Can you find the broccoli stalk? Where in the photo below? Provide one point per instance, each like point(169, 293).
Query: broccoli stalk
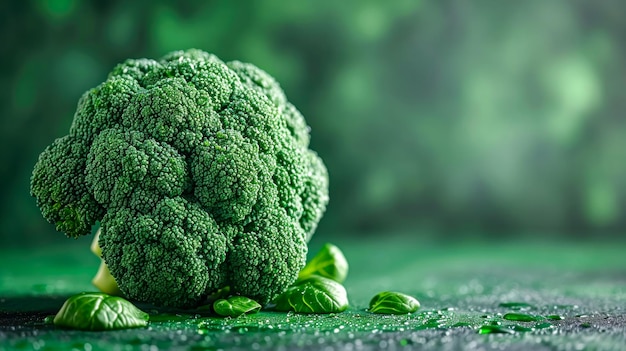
point(103, 280)
point(199, 173)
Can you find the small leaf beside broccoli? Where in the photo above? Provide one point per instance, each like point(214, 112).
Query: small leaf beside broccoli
point(388, 302)
point(329, 262)
point(235, 306)
point(313, 295)
point(98, 311)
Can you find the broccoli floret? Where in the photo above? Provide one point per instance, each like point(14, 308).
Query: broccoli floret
point(227, 161)
point(128, 169)
point(102, 107)
point(171, 256)
point(199, 173)
point(58, 183)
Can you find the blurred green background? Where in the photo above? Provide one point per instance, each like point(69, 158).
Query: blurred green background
point(441, 119)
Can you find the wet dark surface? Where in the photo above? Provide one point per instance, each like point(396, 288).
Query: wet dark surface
point(543, 296)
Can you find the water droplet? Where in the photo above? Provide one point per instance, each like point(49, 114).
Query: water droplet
point(521, 317)
point(494, 329)
point(405, 342)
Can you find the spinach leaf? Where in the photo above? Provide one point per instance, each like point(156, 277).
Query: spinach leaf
point(388, 302)
point(313, 295)
point(235, 306)
point(329, 262)
point(98, 311)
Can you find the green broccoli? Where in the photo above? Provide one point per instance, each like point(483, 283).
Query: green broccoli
point(199, 173)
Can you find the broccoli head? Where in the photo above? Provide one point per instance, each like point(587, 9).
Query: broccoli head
point(199, 173)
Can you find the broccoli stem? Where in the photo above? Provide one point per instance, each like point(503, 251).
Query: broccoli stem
point(103, 280)
point(95, 246)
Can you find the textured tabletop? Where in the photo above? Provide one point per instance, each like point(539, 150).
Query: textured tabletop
point(475, 296)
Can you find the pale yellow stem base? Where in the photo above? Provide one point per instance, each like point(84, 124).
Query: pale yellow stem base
point(105, 282)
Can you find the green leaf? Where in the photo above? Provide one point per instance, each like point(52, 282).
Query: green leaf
point(313, 295)
point(235, 306)
point(98, 311)
point(329, 262)
point(389, 302)
point(219, 294)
